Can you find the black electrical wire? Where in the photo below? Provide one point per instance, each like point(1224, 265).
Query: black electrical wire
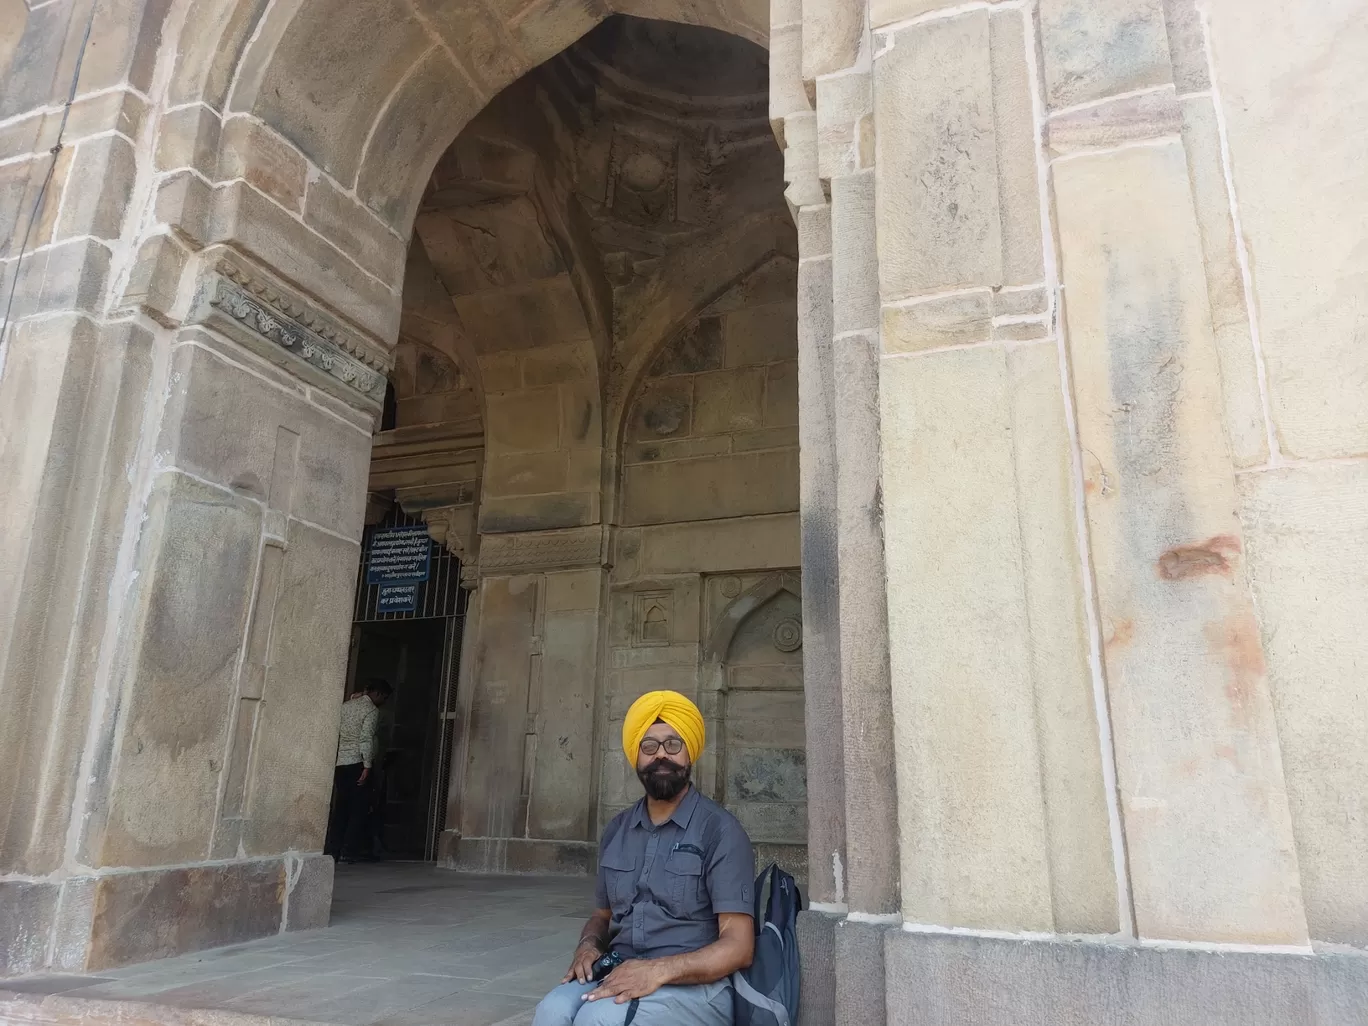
point(52, 168)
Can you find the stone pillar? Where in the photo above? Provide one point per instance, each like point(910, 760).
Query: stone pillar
point(205, 728)
point(796, 126)
point(846, 165)
point(529, 682)
point(185, 441)
point(1204, 805)
point(998, 746)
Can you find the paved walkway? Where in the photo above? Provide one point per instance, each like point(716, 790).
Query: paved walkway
point(409, 945)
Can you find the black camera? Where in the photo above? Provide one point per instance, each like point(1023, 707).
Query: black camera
point(606, 963)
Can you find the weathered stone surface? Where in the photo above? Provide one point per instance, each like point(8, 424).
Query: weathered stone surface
point(728, 401)
point(762, 334)
point(20, 210)
point(296, 727)
point(546, 27)
point(1098, 48)
point(977, 661)
point(67, 276)
point(716, 546)
point(244, 218)
point(781, 399)
point(308, 89)
point(861, 995)
point(587, 217)
point(1299, 219)
point(960, 319)
point(36, 56)
point(936, 161)
point(142, 916)
point(522, 316)
point(1187, 45)
point(189, 138)
point(943, 979)
point(855, 267)
point(416, 125)
point(251, 151)
point(1306, 530)
point(501, 674)
point(817, 962)
point(480, 40)
point(703, 489)
point(185, 200)
point(786, 94)
point(1115, 122)
point(308, 904)
point(197, 560)
point(1230, 320)
point(1013, 117)
point(821, 618)
point(27, 911)
point(1208, 830)
point(354, 230)
point(77, 392)
point(225, 426)
point(561, 786)
point(865, 699)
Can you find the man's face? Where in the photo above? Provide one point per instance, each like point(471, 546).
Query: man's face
point(663, 775)
point(378, 697)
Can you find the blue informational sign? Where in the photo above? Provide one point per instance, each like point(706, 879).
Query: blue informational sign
point(397, 598)
point(399, 555)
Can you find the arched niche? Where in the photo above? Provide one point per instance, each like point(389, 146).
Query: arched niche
point(753, 666)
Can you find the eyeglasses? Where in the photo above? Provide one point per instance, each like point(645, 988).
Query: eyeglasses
point(672, 746)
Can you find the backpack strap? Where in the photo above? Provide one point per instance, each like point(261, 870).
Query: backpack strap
point(766, 875)
point(752, 996)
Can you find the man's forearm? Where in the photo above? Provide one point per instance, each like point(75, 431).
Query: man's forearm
point(708, 964)
point(595, 931)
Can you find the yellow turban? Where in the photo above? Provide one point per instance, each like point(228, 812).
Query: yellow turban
point(670, 707)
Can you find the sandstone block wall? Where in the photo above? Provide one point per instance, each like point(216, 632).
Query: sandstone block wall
point(1080, 424)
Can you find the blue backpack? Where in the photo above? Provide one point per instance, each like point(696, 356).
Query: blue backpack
point(766, 994)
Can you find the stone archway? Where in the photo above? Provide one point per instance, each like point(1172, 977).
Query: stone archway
point(1033, 534)
point(251, 251)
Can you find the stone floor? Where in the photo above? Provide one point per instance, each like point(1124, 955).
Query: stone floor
point(409, 945)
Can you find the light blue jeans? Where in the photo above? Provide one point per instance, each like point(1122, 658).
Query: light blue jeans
point(705, 1004)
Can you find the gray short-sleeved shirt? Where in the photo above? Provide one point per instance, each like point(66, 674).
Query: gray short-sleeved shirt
point(667, 884)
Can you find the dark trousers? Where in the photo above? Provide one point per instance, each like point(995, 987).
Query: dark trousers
point(347, 824)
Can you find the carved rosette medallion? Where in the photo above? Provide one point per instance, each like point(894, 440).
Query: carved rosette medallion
point(788, 635)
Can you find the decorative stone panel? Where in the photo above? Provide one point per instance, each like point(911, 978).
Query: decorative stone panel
point(250, 305)
point(533, 551)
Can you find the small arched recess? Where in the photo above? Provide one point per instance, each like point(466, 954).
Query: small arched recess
point(753, 679)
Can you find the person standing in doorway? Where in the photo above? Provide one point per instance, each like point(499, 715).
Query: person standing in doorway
point(351, 778)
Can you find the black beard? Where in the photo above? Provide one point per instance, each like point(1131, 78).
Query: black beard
point(664, 780)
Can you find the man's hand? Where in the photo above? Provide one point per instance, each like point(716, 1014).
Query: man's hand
point(365, 772)
point(582, 965)
point(635, 978)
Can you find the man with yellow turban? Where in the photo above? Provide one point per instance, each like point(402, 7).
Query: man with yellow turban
point(674, 907)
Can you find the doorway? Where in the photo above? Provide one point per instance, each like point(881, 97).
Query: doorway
point(408, 655)
point(416, 651)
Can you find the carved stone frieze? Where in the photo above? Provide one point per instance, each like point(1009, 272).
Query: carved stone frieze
point(248, 304)
point(531, 551)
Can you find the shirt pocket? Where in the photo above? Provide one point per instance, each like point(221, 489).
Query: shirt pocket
point(620, 875)
point(684, 874)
